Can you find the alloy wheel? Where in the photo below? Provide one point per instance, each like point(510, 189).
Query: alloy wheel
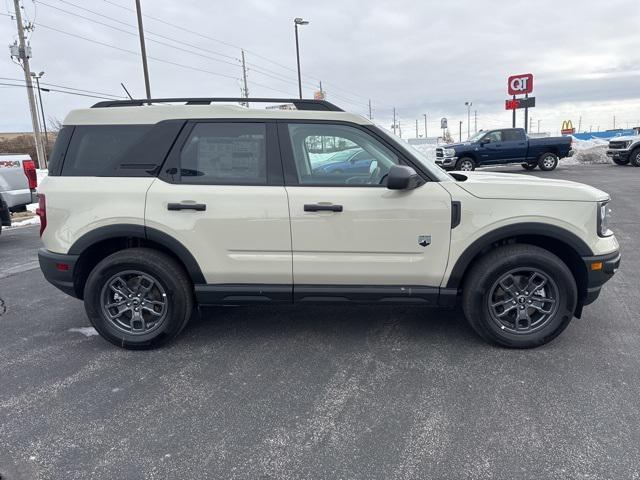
point(523, 300)
point(134, 302)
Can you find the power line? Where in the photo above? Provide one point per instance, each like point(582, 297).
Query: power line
point(67, 88)
point(169, 62)
point(56, 90)
point(228, 44)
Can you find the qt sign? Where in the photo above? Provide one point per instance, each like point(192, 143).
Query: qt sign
point(520, 84)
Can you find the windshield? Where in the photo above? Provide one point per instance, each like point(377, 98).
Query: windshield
point(476, 136)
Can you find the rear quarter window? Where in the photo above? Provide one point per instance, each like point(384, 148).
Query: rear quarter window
point(97, 149)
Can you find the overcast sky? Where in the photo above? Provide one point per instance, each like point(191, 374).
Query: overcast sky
point(419, 56)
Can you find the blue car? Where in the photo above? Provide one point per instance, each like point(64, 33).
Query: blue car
point(346, 162)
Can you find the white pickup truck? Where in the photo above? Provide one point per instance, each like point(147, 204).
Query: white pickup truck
point(18, 182)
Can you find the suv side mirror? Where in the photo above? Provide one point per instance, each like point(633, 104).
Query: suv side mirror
point(485, 140)
point(401, 177)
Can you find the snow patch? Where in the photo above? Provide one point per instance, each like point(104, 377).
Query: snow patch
point(86, 331)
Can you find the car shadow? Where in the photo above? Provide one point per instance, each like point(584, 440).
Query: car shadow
point(342, 323)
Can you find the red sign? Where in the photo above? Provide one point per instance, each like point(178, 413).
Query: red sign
point(511, 104)
point(520, 84)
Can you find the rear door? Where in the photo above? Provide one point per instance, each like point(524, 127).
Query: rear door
point(221, 195)
point(514, 144)
point(350, 234)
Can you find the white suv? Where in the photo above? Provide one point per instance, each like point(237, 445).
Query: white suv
point(151, 209)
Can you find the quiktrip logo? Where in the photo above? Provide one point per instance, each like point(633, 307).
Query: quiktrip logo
point(520, 84)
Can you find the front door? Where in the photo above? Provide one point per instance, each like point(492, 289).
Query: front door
point(347, 228)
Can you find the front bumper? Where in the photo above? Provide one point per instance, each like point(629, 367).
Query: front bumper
point(600, 269)
point(617, 153)
point(58, 270)
point(447, 163)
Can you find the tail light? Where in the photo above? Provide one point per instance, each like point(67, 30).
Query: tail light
point(41, 211)
point(30, 171)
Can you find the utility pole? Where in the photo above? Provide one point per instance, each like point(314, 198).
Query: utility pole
point(460, 128)
point(143, 50)
point(579, 123)
point(400, 129)
point(23, 57)
point(530, 124)
point(417, 136)
point(538, 126)
point(370, 117)
point(475, 121)
point(614, 122)
point(425, 124)
point(245, 90)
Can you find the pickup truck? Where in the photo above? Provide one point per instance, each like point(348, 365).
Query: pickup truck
point(18, 182)
point(502, 146)
point(625, 150)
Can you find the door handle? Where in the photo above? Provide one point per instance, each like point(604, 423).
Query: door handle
point(199, 207)
point(316, 207)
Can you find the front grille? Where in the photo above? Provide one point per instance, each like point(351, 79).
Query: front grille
point(439, 153)
point(617, 145)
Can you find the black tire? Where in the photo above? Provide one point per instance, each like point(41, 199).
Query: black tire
point(548, 161)
point(622, 161)
point(173, 288)
point(529, 166)
point(635, 157)
point(465, 164)
point(481, 284)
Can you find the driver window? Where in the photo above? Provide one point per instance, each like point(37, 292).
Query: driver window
point(495, 136)
point(339, 155)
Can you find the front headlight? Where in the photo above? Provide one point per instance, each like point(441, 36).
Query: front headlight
point(449, 152)
point(604, 214)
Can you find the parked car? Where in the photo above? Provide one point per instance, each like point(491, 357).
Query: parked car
point(18, 182)
point(625, 150)
point(346, 162)
point(503, 146)
point(149, 210)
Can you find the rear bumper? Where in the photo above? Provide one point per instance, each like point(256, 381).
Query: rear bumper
point(58, 270)
point(598, 277)
point(17, 198)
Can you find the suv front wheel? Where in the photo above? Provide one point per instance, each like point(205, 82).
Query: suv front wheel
point(138, 298)
point(519, 296)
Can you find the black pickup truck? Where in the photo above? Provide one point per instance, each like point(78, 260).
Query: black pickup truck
point(506, 145)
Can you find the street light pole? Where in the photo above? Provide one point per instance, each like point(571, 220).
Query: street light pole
point(299, 21)
point(425, 124)
point(468, 104)
point(44, 121)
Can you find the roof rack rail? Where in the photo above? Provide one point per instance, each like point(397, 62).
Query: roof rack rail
point(299, 103)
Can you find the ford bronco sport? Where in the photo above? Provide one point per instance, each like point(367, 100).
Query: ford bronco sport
point(152, 207)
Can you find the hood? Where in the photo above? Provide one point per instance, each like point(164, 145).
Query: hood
point(626, 138)
point(454, 145)
point(527, 187)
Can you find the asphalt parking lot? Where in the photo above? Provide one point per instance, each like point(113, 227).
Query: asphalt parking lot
point(322, 392)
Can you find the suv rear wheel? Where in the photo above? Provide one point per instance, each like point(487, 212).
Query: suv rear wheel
point(138, 298)
point(635, 157)
point(548, 161)
point(519, 296)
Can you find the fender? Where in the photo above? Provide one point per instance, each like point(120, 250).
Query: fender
point(509, 231)
point(141, 232)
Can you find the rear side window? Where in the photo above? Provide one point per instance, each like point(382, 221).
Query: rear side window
point(225, 154)
point(512, 135)
point(96, 149)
